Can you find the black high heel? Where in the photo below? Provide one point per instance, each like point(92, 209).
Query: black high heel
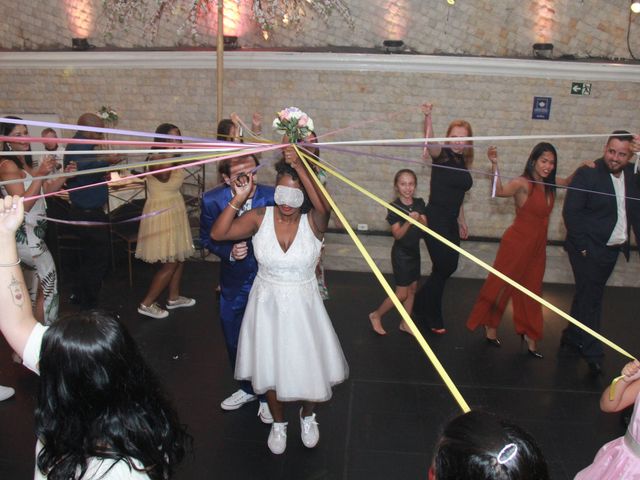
point(491, 341)
point(533, 353)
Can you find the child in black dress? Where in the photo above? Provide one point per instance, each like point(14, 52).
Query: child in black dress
point(405, 253)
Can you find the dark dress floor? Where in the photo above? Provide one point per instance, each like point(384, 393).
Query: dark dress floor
point(383, 422)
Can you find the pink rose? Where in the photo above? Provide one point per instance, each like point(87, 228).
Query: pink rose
point(284, 115)
point(303, 120)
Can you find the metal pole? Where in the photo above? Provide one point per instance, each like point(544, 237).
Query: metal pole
point(220, 61)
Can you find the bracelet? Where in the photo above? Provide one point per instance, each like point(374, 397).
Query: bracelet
point(233, 206)
point(17, 262)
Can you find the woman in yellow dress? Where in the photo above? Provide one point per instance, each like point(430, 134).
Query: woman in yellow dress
point(166, 236)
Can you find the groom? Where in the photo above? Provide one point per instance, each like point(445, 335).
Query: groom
point(238, 266)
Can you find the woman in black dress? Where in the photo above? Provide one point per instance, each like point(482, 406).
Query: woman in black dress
point(450, 180)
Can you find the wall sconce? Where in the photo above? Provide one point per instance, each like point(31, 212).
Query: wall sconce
point(635, 7)
point(543, 50)
point(81, 44)
point(393, 46)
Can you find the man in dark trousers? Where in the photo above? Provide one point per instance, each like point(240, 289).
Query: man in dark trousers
point(89, 205)
point(601, 207)
point(238, 267)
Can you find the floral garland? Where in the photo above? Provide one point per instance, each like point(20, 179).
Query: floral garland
point(268, 13)
point(293, 123)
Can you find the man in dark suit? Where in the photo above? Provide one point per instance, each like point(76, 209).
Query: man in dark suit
point(238, 266)
point(599, 211)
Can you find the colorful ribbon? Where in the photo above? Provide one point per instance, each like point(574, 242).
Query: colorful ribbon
point(383, 281)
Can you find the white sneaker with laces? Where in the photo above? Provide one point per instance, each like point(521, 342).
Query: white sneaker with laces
point(309, 431)
point(237, 400)
point(153, 311)
point(181, 302)
point(277, 441)
point(6, 393)
point(264, 413)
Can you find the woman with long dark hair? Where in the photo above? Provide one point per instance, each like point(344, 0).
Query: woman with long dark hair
point(164, 238)
point(522, 252)
point(100, 412)
point(450, 180)
point(40, 269)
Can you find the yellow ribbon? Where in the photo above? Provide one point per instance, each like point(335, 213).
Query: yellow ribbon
point(476, 260)
point(374, 268)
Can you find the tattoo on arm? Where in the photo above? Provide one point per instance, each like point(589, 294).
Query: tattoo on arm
point(17, 292)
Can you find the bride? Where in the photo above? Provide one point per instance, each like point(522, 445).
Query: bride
point(288, 348)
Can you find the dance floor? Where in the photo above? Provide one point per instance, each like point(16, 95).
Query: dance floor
point(384, 421)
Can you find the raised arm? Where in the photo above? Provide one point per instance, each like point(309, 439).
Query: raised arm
point(16, 317)
point(320, 213)
point(226, 226)
point(429, 150)
point(514, 187)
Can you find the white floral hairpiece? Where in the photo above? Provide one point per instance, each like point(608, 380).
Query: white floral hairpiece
point(294, 123)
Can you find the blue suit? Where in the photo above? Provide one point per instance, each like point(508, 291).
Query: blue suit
point(236, 276)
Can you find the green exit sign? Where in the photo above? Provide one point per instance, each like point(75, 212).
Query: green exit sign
point(580, 88)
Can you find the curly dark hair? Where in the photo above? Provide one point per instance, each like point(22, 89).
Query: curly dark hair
point(99, 398)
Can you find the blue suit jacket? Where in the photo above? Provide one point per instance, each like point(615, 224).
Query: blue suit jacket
point(590, 217)
point(234, 275)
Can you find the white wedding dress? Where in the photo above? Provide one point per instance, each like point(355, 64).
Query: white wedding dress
point(287, 342)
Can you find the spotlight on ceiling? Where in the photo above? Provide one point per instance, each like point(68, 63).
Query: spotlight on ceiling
point(451, 2)
point(80, 44)
point(635, 7)
point(543, 50)
point(393, 46)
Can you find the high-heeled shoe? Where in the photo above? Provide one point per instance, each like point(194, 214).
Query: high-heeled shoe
point(534, 353)
point(491, 341)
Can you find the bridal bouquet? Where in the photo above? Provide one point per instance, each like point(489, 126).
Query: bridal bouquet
point(294, 123)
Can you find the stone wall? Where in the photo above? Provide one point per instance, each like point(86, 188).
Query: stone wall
point(584, 28)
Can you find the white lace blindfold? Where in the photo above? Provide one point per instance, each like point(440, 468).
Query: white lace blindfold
point(291, 197)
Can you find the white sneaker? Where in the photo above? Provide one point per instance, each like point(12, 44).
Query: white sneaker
point(237, 400)
point(264, 413)
point(277, 441)
point(181, 302)
point(309, 431)
point(153, 311)
point(6, 392)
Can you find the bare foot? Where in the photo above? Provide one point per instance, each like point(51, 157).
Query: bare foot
point(376, 323)
point(405, 328)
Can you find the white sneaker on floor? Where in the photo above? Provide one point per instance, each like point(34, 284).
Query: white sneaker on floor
point(277, 441)
point(309, 431)
point(264, 413)
point(6, 393)
point(237, 400)
point(153, 311)
point(181, 302)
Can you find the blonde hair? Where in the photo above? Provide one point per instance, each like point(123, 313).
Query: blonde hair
point(468, 151)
